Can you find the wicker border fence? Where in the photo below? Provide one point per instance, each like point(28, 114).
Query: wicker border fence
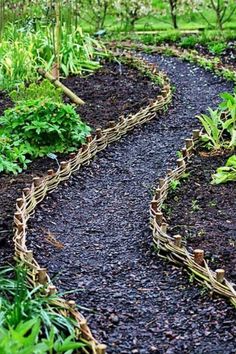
point(189, 55)
point(173, 246)
point(41, 187)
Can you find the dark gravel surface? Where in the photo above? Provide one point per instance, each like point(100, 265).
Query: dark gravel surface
point(137, 303)
point(204, 214)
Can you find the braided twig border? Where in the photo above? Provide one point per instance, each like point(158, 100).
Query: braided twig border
point(189, 55)
point(31, 197)
point(172, 246)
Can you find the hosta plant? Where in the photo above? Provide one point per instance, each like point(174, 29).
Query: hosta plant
point(220, 124)
point(226, 173)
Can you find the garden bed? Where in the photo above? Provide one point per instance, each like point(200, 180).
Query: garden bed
point(204, 214)
point(228, 56)
point(112, 91)
point(133, 87)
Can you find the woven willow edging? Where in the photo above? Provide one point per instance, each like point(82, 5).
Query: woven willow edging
point(190, 55)
point(31, 197)
point(173, 247)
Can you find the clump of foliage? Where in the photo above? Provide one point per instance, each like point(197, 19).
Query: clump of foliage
point(217, 48)
point(35, 128)
point(220, 133)
point(23, 52)
point(29, 322)
point(220, 124)
point(189, 42)
point(13, 155)
point(226, 173)
point(41, 90)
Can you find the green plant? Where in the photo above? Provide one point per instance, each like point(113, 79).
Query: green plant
point(42, 90)
point(226, 173)
point(30, 322)
point(228, 107)
point(179, 154)
point(35, 128)
point(217, 48)
point(174, 184)
point(23, 52)
point(229, 74)
point(25, 339)
point(195, 205)
point(12, 155)
point(212, 124)
point(184, 176)
point(220, 124)
point(189, 42)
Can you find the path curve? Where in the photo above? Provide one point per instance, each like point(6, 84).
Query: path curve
point(140, 303)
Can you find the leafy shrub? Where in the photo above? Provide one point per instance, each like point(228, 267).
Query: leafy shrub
point(42, 90)
point(168, 36)
point(35, 128)
point(189, 42)
point(25, 339)
point(217, 48)
point(226, 173)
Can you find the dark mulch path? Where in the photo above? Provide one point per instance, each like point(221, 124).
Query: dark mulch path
point(117, 94)
point(112, 91)
point(205, 214)
point(138, 303)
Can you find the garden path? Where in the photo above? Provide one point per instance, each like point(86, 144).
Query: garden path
point(136, 302)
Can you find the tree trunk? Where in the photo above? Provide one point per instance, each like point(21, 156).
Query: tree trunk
point(173, 9)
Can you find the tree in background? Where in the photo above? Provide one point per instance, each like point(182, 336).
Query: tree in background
point(130, 11)
point(179, 7)
point(223, 9)
point(94, 12)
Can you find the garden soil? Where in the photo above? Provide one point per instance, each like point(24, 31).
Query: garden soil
point(204, 214)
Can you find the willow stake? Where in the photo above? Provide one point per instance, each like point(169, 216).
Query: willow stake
point(74, 98)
